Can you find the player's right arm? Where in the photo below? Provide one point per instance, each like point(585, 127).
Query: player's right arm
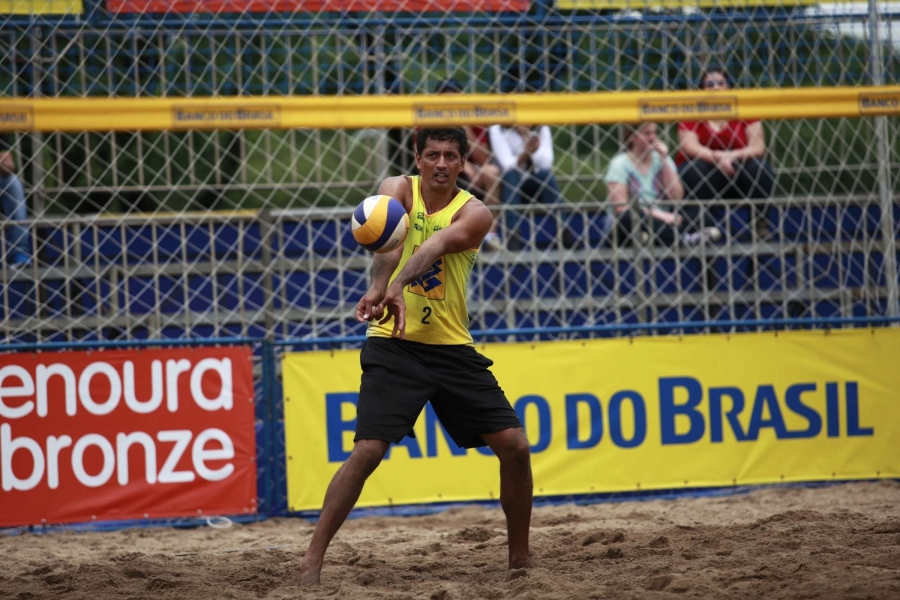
point(384, 264)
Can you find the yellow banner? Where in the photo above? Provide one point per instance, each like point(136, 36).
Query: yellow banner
point(628, 414)
point(41, 7)
point(359, 112)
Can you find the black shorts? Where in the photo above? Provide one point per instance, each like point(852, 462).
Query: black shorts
point(399, 377)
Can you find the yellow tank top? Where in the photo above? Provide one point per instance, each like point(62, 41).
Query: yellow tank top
point(436, 310)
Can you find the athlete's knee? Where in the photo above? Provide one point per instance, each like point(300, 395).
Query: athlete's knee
point(511, 445)
point(367, 455)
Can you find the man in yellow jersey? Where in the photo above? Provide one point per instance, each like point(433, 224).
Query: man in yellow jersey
point(430, 356)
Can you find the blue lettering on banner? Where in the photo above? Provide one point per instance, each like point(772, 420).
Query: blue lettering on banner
point(596, 421)
point(831, 409)
point(766, 399)
point(335, 426)
point(853, 428)
point(545, 425)
point(615, 419)
point(669, 410)
point(795, 404)
point(715, 413)
point(680, 400)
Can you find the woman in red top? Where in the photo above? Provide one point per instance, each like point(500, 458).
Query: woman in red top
point(723, 159)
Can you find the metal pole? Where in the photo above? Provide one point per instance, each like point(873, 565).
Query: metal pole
point(885, 194)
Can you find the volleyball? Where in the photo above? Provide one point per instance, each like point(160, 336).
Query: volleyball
point(380, 223)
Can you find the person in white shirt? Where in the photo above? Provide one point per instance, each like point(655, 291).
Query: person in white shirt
point(525, 157)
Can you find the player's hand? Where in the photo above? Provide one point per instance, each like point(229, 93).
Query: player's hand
point(395, 306)
point(368, 308)
point(532, 143)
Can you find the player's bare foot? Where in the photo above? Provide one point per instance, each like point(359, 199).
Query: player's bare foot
point(520, 563)
point(309, 573)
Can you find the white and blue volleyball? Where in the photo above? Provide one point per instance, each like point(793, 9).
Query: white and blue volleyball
point(380, 223)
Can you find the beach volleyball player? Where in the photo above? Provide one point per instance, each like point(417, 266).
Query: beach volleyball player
point(419, 348)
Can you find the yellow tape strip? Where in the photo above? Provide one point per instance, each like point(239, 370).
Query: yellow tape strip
point(358, 112)
point(41, 7)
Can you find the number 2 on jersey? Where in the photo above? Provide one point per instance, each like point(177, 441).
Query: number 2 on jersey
point(427, 311)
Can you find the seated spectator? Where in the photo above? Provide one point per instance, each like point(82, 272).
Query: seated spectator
point(723, 159)
point(12, 203)
point(638, 180)
point(525, 156)
point(480, 175)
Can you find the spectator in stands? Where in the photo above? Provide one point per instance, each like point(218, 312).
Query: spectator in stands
point(525, 156)
point(723, 159)
point(12, 203)
point(641, 178)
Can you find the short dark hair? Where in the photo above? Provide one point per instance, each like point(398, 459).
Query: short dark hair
point(714, 69)
point(448, 86)
point(442, 134)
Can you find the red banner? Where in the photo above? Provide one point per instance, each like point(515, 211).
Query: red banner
point(292, 6)
point(126, 434)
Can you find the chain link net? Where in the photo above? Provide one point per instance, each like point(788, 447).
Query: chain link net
point(246, 232)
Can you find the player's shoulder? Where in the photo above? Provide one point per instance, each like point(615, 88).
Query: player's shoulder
point(474, 209)
point(399, 187)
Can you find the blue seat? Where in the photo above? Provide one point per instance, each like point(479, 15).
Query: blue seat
point(197, 241)
point(356, 284)
point(740, 269)
point(52, 243)
point(604, 277)
point(493, 282)
point(295, 239)
point(232, 297)
point(296, 331)
point(327, 288)
point(171, 294)
point(226, 240)
point(794, 228)
point(860, 223)
point(574, 280)
point(21, 299)
point(139, 249)
point(324, 236)
point(291, 291)
point(823, 272)
point(103, 243)
point(824, 222)
point(203, 331)
point(169, 243)
point(253, 242)
point(200, 293)
point(520, 281)
point(827, 308)
point(735, 221)
point(670, 278)
point(598, 229)
point(141, 295)
point(771, 267)
point(173, 332)
point(544, 230)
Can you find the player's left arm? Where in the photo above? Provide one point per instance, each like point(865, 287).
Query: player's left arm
point(469, 226)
